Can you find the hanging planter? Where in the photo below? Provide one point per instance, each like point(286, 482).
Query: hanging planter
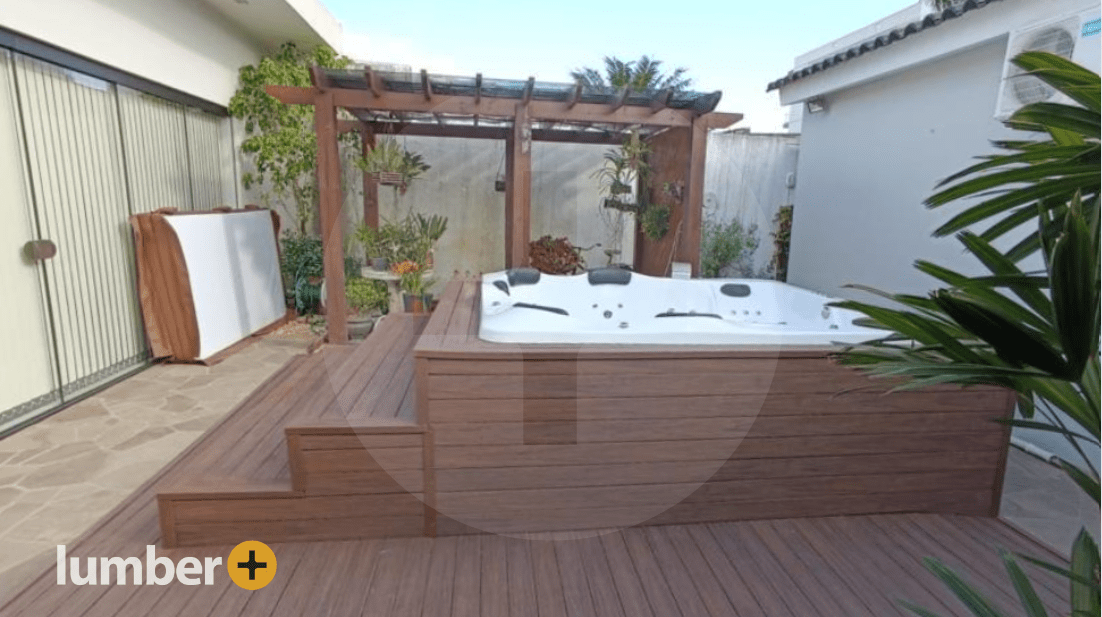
point(389, 178)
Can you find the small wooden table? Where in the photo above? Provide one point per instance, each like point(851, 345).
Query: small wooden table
point(392, 283)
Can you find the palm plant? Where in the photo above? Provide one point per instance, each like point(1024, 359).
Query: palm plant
point(641, 75)
point(1034, 332)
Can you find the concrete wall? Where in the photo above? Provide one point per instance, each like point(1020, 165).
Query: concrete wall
point(745, 178)
point(867, 163)
point(460, 186)
point(184, 44)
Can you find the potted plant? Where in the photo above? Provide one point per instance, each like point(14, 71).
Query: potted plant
point(625, 168)
point(367, 301)
point(390, 164)
point(414, 286)
point(372, 241)
point(430, 229)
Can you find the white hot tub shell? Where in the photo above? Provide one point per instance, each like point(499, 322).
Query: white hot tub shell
point(612, 306)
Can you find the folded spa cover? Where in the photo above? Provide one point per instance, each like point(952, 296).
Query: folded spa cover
point(206, 280)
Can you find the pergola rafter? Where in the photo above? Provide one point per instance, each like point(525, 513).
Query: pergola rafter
point(517, 111)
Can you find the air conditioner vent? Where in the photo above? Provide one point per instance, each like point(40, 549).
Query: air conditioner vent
point(1018, 88)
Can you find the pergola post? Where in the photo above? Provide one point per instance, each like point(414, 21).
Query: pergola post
point(329, 206)
point(518, 190)
point(371, 187)
point(688, 249)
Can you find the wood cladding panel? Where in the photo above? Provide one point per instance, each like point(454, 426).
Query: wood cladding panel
point(698, 439)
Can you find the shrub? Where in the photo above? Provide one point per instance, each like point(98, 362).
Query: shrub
point(365, 296)
point(655, 221)
point(728, 246)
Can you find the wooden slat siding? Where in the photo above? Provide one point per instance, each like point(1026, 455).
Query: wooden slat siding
point(708, 422)
point(364, 440)
point(769, 568)
point(662, 429)
point(968, 502)
point(460, 411)
point(370, 526)
point(473, 503)
point(377, 482)
point(708, 449)
point(661, 473)
point(380, 459)
point(296, 507)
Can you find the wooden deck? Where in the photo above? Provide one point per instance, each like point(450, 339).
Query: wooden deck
point(328, 462)
point(842, 566)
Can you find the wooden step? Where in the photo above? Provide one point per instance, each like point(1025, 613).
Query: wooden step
point(325, 450)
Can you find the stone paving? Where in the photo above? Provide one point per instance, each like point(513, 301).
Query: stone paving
point(61, 475)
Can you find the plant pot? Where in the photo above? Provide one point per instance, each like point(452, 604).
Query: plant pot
point(413, 304)
point(379, 264)
point(387, 177)
point(359, 326)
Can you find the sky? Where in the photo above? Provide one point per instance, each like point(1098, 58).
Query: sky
point(736, 47)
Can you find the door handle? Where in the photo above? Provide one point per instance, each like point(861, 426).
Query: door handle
point(40, 250)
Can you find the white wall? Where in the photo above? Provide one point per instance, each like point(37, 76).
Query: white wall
point(868, 162)
point(745, 178)
point(183, 44)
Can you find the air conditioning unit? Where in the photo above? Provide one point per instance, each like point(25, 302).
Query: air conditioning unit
point(1075, 37)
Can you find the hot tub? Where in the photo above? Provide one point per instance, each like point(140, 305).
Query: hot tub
point(614, 306)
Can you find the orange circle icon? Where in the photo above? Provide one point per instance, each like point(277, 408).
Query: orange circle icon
point(251, 565)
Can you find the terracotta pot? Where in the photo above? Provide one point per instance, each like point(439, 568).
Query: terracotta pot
point(413, 304)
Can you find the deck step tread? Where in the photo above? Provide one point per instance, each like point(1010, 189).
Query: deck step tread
point(305, 396)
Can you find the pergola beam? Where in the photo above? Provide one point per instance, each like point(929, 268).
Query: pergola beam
point(575, 96)
point(620, 100)
point(426, 85)
point(526, 97)
point(372, 83)
point(489, 132)
point(661, 100)
point(488, 106)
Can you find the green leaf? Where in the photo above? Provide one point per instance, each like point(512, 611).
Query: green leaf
point(1030, 602)
point(972, 599)
point(1084, 565)
point(1087, 482)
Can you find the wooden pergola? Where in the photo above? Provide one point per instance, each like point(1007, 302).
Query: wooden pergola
point(676, 124)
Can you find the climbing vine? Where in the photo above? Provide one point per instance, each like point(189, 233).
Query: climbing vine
point(280, 146)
